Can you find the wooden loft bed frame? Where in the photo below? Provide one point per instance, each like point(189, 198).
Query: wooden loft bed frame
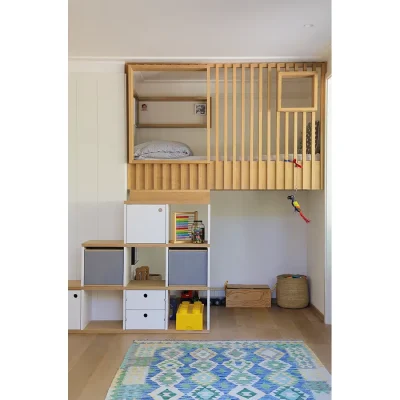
point(261, 168)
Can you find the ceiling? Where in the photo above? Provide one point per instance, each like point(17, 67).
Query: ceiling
point(204, 30)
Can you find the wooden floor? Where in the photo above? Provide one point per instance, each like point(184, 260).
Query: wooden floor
point(94, 359)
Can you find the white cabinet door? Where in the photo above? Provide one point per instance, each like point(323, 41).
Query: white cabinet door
point(74, 309)
point(145, 299)
point(145, 319)
point(145, 223)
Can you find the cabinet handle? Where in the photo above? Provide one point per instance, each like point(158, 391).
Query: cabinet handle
point(145, 315)
point(145, 295)
point(75, 295)
point(160, 210)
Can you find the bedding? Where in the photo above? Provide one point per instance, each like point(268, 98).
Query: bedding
point(162, 149)
point(230, 158)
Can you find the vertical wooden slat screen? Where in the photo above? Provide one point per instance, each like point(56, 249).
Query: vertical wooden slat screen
point(287, 165)
point(260, 121)
point(269, 168)
point(131, 116)
point(251, 112)
point(226, 165)
point(251, 124)
point(208, 114)
point(243, 126)
point(234, 186)
point(295, 149)
point(225, 113)
point(322, 123)
point(314, 68)
point(216, 113)
point(304, 145)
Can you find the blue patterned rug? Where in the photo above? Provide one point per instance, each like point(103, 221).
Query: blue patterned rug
point(220, 370)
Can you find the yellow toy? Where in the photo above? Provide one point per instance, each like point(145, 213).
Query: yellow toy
point(190, 316)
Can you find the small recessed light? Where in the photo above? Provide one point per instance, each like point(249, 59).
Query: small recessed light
point(309, 26)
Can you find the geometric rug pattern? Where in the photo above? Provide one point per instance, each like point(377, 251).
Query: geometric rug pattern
point(211, 370)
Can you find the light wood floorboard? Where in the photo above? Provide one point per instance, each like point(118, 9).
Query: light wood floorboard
point(93, 360)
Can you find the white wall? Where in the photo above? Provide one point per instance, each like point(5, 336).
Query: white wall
point(256, 236)
point(316, 248)
point(96, 164)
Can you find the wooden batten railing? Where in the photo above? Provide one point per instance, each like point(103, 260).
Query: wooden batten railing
point(254, 136)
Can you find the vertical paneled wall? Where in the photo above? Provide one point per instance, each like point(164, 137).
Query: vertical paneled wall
point(97, 157)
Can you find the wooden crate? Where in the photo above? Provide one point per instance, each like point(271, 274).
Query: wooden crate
point(247, 296)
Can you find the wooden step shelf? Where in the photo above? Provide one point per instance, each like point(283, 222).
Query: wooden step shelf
point(137, 285)
point(146, 285)
point(121, 244)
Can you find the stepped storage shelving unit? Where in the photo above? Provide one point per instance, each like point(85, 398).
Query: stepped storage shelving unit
point(107, 266)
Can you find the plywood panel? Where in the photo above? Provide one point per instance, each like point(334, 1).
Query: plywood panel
point(228, 165)
point(280, 175)
point(157, 176)
point(262, 178)
point(175, 177)
point(317, 175)
point(271, 175)
point(202, 176)
point(306, 175)
point(211, 176)
point(245, 178)
point(166, 176)
point(148, 176)
point(299, 177)
point(185, 177)
point(238, 168)
point(219, 175)
point(253, 175)
point(193, 176)
point(139, 177)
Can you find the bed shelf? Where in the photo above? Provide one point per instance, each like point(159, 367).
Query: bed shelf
point(251, 125)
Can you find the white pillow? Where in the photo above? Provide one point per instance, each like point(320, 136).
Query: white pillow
point(162, 149)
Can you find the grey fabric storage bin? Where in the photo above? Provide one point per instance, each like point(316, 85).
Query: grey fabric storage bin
point(104, 267)
point(187, 267)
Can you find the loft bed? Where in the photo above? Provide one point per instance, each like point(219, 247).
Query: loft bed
point(251, 113)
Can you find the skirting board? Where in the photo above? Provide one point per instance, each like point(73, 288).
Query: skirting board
point(312, 308)
point(317, 313)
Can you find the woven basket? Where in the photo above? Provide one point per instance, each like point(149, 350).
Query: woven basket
point(292, 292)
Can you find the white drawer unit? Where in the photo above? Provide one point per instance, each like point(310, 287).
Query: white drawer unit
point(145, 319)
point(74, 309)
point(145, 299)
point(145, 223)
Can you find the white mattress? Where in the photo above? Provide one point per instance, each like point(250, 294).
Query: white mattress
point(238, 158)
